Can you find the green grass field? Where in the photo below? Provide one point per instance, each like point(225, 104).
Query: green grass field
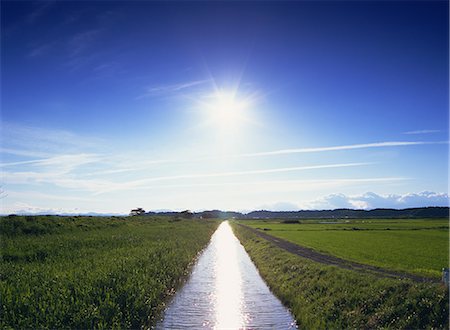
point(83, 272)
point(414, 246)
point(328, 297)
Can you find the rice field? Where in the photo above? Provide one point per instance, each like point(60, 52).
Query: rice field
point(414, 246)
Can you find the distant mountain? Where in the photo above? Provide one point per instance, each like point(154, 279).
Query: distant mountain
point(213, 214)
point(421, 212)
point(85, 214)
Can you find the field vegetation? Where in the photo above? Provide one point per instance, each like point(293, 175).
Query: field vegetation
point(93, 272)
point(328, 297)
point(415, 246)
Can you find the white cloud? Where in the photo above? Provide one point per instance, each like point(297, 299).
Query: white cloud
point(372, 200)
point(424, 131)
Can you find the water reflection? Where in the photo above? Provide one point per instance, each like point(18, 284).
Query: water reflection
point(225, 291)
point(229, 295)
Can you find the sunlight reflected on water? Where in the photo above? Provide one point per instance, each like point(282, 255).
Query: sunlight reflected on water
point(228, 281)
point(225, 291)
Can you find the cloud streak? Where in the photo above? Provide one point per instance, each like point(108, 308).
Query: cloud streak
point(66, 171)
point(82, 40)
point(41, 50)
point(284, 185)
point(146, 182)
point(340, 148)
point(137, 165)
point(69, 161)
point(252, 172)
point(23, 153)
point(424, 131)
point(41, 9)
point(170, 89)
point(31, 141)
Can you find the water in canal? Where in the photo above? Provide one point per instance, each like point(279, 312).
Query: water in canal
point(225, 291)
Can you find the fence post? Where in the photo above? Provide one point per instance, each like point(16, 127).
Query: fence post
point(445, 276)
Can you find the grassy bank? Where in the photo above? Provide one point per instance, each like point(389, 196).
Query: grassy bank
point(327, 297)
point(85, 272)
point(414, 246)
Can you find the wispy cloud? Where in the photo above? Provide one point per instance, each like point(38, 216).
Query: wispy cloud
point(61, 179)
point(147, 181)
point(82, 40)
point(424, 131)
point(59, 172)
point(134, 166)
point(252, 172)
point(283, 185)
point(107, 70)
point(81, 51)
point(65, 162)
point(24, 153)
point(137, 165)
point(41, 50)
point(75, 63)
point(33, 195)
point(170, 89)
point(45, 156)
point(63, 159)
point(142, 164)
point(40, 10)
point(32, 141)
point(340, 148)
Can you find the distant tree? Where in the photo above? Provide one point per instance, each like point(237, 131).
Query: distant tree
point(187, 214)
point(138, 211)
point(210, 214)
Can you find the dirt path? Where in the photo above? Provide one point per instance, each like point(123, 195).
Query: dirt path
point(335, 261)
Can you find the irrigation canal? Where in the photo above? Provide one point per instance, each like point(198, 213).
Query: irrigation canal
point(225, 291)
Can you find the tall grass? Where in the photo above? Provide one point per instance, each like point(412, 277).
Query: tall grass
point(82, 272)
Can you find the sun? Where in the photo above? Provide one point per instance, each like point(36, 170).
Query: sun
point(226, 108)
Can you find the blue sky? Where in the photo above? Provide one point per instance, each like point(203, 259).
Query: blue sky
point(107, 106)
